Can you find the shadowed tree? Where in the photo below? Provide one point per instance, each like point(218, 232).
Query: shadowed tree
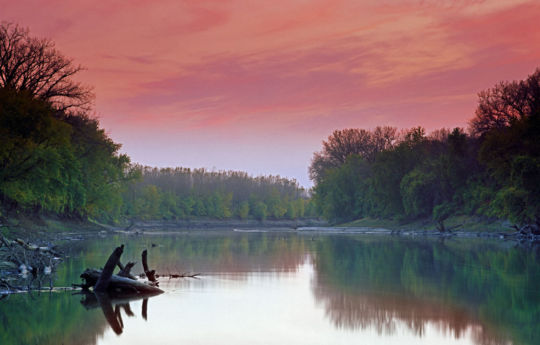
point(53, 156)
point(33, 65)
point(353, 141)
point(506, 103)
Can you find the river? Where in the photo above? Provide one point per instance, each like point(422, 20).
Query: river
point(290, 288)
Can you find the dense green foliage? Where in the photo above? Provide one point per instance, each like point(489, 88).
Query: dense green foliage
point(56, 162)
point(56, 159)
point(64, 163)
point(182, 193)
point(494, 171)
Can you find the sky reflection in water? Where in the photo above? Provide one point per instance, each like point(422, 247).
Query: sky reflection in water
point(257, 308)
point(289, 289)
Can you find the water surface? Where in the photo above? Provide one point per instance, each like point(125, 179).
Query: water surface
point(288, 288)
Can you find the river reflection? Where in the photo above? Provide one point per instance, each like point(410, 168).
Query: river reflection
point(462, 288)
point(112, 307)
point(284, 288)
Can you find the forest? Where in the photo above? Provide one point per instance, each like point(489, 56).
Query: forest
point(54, 156)
point(182, 193)
point(492, 169)
point(56, 159)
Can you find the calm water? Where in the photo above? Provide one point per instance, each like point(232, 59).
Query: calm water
point(284, 288)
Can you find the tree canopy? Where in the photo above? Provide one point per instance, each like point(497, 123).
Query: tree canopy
point(183, 193)
point(506, 103)
point(54, 157)
point(33, 65)
point(343, 143)
point(493, 172)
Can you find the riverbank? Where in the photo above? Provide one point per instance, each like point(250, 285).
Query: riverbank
point(457, 226)
point(55, 229)
point(216, 224)
point(454, 223)
point(59, 234)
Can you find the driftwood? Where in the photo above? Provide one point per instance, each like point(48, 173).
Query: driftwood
point(114, 292)
point(105, 281)
point(125, 271)
point(124, 284)
point(104, 278)
point(118, 284)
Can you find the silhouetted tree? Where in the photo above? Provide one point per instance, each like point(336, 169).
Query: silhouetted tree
point(506, 103)
point(34, 66)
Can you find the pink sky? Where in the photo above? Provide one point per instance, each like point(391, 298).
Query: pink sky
point(257, 85)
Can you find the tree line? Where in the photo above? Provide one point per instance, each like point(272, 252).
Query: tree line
point(182, 193)
point(491, 170)
point(55, 158)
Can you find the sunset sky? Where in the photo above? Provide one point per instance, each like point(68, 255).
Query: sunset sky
point(257, 85)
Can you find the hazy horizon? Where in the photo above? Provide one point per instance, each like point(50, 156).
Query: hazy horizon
point(257, 87)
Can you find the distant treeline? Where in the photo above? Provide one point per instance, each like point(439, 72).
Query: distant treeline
point(492, 170)
point(182, 193)
point(55, 159)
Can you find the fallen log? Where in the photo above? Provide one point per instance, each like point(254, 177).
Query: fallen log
point(105, 281)
point(118, 284)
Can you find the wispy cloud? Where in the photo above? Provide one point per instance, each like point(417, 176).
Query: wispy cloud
point(235, 67)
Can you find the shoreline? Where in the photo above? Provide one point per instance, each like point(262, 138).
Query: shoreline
point(56, 234)
point(217, 224)
point(56, 231)
point(343, 230)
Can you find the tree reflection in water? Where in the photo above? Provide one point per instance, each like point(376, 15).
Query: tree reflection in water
point(112, 305)
point(462, 288)
point(457, 287)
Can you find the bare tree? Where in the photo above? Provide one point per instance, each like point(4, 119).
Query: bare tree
point(383, 138)
point(33, 65)
point(507, 102)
